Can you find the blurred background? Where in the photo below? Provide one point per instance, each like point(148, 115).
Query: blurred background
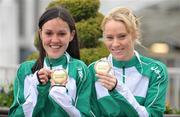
point(160, 28)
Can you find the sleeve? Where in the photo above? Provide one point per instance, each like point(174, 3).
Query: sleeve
point(81, 106)
point(16, 109)
point(58, 95)
point(155, 99)
point(127, 101)
point(25, 94)
point(43, 92)
point(156, 95)
point(84, 93)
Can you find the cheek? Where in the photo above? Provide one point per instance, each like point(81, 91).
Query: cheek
point(130, 46)
point(45, 41)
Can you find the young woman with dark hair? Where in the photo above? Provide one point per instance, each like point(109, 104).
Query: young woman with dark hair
point(56, 84)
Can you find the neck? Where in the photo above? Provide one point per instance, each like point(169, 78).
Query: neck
point(51, 62)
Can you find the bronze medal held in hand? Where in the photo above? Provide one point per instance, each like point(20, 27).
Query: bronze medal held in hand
point(59, 76)
point(102, 66)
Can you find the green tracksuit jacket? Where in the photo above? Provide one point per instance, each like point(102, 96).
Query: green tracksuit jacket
point(37, 100)
point(141, 89)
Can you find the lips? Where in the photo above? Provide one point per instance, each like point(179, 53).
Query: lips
point(55, 46)
point(117, 51)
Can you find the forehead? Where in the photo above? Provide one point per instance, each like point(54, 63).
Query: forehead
point(56, 22)
point(114, 26)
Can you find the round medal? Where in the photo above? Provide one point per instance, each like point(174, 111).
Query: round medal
point(59, 76)
point(102, 66)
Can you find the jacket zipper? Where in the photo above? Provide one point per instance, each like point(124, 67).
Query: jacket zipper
point(123, 76)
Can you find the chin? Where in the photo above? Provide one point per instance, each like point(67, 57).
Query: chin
point(120, 58)
point(54, 56)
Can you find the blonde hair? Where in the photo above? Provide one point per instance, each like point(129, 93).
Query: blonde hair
point(126, 16)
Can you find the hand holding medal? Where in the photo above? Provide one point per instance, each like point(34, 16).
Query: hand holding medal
point(105, 74)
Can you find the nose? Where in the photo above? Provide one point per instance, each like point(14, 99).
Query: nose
point(55, 38)
point(115, 42)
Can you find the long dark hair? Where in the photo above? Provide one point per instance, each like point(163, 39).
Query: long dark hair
point(62, 13)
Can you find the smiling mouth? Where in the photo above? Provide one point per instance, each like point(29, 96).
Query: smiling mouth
point(55, 46)
point(117, 50)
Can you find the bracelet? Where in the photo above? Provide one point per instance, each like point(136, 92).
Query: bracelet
point(114, 85)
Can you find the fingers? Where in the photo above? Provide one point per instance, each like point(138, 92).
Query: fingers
point(64, 83)
point(45, 72)
point(52, 82)
point(107, 80)
point(101, 73)
point(44, 75)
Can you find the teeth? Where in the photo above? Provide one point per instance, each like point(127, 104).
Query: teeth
point(117, 50)
point(55, 46)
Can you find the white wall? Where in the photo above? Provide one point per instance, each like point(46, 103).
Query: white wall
point(8, 33)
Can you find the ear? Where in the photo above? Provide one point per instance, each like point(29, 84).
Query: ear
point(40, 33)
point(72, 35)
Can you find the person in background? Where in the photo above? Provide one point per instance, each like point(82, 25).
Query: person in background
point(126, 83)
point(56, 84)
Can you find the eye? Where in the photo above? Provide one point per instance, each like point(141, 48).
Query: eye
point(49, 33)
point(62, 33)
point(122, 36)
point(109, 37)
